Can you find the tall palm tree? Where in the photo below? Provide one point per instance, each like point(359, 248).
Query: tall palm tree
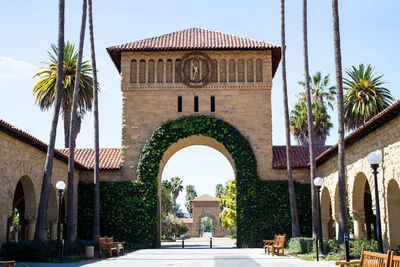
point(341, 168)
point(299, 123)
point(176, 187)
point(190, 195)
point(292, 196)
point(309, 123)
point(320, 92)
point(365, 97)
point(96, 193)
point(72, 129)
point(44, 89)
point(40, 228)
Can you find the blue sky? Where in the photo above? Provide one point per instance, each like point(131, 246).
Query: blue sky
point(369, 32)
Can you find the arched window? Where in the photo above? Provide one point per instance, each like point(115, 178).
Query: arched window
point(134, 71)
point(250, 73)
point(222, 75)
point(160, 71)
point(241, 70)
point(259, 71)
point(151, 71)
point(214, 77)
point(232, 70)
point(168, 78)
point(178, 66)
point(142, 71)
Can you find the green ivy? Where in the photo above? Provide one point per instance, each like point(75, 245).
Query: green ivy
point(129, 209)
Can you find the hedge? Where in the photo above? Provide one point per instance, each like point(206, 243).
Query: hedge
point(43, 251)
point(129, 209)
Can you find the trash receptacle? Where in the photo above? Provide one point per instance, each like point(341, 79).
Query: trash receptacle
point(90, 252)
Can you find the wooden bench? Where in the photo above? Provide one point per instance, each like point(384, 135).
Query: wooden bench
point(104, 244)
point(370, 259)
point(275, 245)
point(7, 263)
point(119, 245)
point(394, 261)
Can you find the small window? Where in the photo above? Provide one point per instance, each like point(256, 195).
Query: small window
point(196, 104)
point(178, 67)
point(160, 71)
point(222, 75)
point(212, 103)
point(241, 70)
point(179, 103)
point(214, 77)
point(150, 77)
point(250, 75)
point(168, 77)
point(142, 71)
point(259, 71)
point(133, 71)
point(232, 71)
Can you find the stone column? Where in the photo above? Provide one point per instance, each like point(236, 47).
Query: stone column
point(31, 226)
point(53, 229)
point(358, 217)
point(336, 225)
point(325, 226)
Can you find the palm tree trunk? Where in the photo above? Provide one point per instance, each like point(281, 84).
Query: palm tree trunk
point(292, 196)
point(71, 181)
point(310, 124)
point(340, 108)
point(40, 228)
point(67, 121)
point(96, 196)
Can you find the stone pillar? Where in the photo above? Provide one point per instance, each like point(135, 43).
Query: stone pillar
point(53, 229)
point(31, 227)
point(337, 226)
point(358, 217)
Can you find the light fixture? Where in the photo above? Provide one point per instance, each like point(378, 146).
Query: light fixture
point(374, 158)
point(318, 181)
point(60, 185)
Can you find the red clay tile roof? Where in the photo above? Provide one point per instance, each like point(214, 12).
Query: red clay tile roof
point(195, 39)
point(33, 141)
point(205, 197)
point(300, 156)
point(110, 158)
point(374, 123)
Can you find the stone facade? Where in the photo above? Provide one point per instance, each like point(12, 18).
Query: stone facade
point(360, 180)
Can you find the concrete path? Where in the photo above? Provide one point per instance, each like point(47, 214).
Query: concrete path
point(196, 254)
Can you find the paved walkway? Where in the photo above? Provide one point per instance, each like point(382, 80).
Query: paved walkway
point(196, 254)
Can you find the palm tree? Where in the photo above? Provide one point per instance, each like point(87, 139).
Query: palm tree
point(299, 123)
point(320, 92)
point(365, 97)
point(72, 131)
point(44, 89)
point(309, 123)
point(40, 228)
point(219, 190)
point(190, 195)
point(96, 195)
point(339, 86)
point(176, 187)
point(292, 196)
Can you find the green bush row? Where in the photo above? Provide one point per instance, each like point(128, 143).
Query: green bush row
point(44, 251)
point(129, 209)
point(305, 245)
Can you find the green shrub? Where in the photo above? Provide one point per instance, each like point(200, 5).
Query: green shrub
point(44, 251)
point(301, 245)
point(129, 209)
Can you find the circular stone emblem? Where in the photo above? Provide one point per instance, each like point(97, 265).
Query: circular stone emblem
point(196, 69)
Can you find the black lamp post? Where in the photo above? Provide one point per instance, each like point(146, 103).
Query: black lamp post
point(375, 158)
point(60, 188)
point(318, 182)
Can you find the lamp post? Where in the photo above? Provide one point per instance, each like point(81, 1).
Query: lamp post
point(60, 188)
point(318, 182)
point(375, 158)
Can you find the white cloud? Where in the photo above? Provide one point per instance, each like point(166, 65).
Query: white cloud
point(14, 69)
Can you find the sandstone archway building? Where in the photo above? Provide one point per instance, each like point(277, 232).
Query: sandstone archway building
point(205, 206)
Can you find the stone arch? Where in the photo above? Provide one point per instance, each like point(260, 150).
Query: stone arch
point(393, 203)
point(232, 70)
point(235, 144)
point(326, 214)
point(133, 71)
point(151, 71)
point(250, 72)
point(142, 71)
point(216, 222)
point(240, 70)
point(168, 75)
point(222, 71)
point(259, 70)
point(160, 71)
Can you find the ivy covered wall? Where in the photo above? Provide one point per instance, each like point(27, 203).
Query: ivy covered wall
point(129, 209)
